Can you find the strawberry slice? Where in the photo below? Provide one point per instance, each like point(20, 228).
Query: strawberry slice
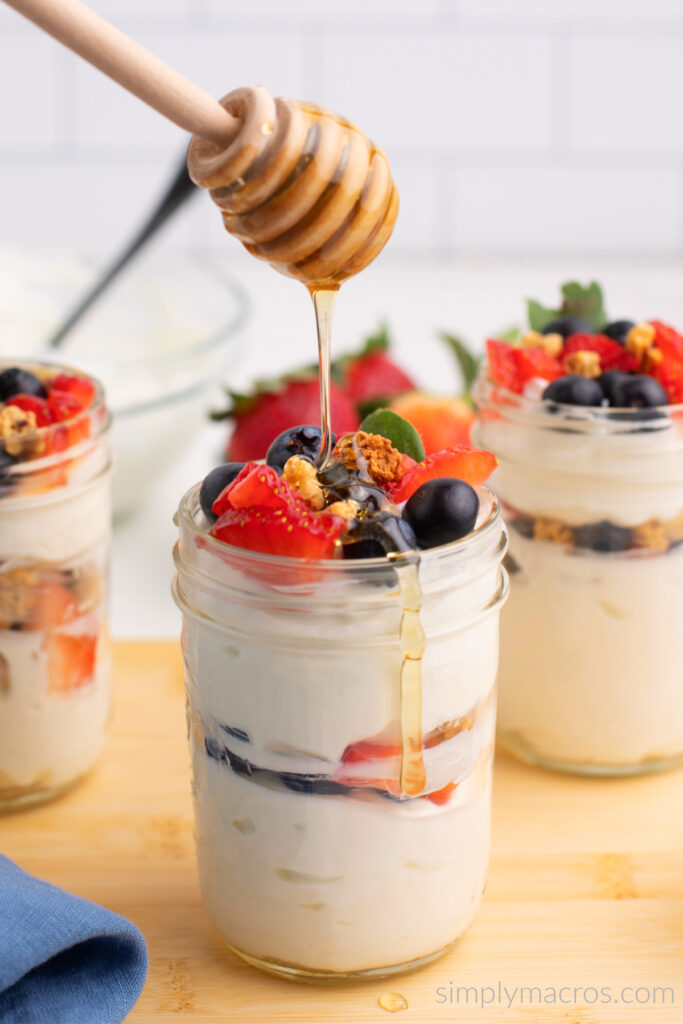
point(258, 485)
point(280, 531)
point(613, 356)
point(442, 796)
point(70, 661)
point(668, 340)
point(463, 462)
point(503, 368)
point(34, 404)
point(670, 376)
point(79, 387)
point(55, 605)
point(63, 406)
point(375, 749)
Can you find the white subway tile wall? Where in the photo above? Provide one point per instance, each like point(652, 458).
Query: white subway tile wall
point(512, 125)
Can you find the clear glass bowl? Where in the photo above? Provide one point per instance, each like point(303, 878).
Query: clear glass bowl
point(159, 340)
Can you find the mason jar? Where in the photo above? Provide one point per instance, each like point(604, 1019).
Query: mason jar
point(54, 552)
point(591, 639)
point(341, 725)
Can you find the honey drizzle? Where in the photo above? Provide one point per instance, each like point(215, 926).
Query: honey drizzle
point(323, 301)
point(412, 640)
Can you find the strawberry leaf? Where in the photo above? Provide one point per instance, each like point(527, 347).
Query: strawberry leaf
point(402, 434)
point(467, 361)
point(539, 316)
point(584, 302)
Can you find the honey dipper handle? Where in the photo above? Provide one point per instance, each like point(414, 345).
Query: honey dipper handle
point(133, 67)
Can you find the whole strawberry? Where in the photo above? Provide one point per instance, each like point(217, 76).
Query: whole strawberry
point(371, 377)
point(272, 408)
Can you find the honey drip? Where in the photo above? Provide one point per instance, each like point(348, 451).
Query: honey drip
point(323, 302)
point(412, 640)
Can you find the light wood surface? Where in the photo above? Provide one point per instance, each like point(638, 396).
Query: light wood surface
point(129, 64)
point(586, 884)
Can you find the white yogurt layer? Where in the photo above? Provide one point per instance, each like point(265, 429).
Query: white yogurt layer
point(337, 883)
point(48, 739)
point(591, 655)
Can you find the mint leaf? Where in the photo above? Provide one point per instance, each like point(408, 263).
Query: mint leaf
point(511, 335)
point(584, 302)
point(468, 363)
point(539, 315)
point(377, 342)
point(402, 434)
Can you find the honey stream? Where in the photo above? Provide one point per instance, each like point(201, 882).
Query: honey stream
point(411, 633)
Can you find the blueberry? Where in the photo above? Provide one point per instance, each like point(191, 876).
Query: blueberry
point(442, 510)
point(215, 482)
point(6, 462)
point(376, 536)
point(638, 391)
point(566, 325)
point(604, 536)
point(574, 390)
point(609, 381)
point(15, 381)
point(618, 330)
point(303, 440)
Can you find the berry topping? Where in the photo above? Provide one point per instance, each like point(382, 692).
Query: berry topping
point(375, 378)
point(276, 531)
point(472, 465)
point(608, 382)
point(638, 391)
point(610, 353)
point(304, 441)
point(215, 482)
point(574, 390)
point(566, 325)
point(70, 661)
point(441, 511)
point(376, 537)
point(513, 368)
point(618, 330)
point(257, 486)
point(38, 406)
point(63, 405)
point(15, 381)
point(79, 387)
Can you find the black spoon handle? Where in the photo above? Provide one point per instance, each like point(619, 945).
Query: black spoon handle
point(178, 191)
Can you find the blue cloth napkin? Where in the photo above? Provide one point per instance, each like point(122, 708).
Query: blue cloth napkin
point(64, 960)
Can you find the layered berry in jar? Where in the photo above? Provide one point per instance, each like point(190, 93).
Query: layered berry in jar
point(340, 633)
point(586, 418)
point(54, 548)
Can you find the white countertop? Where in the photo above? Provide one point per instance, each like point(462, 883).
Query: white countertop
point(470, 298)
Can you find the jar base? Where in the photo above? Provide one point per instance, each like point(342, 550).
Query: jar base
point(308, 976)
point(523, 752)
point(23, 798)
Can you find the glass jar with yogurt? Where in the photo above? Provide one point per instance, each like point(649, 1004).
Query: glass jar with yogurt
point(54, 550)
point(591, 638)
point(331, 844)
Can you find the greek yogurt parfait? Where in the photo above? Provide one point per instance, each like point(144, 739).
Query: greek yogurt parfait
point(340, 638)
point(586, 418)
point(54, 544)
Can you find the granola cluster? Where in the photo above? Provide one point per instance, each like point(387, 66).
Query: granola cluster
point(605, 537)
point(370, 454)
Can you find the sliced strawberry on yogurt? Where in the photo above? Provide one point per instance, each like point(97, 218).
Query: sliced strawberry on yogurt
point(258, 485)
point(32, 403)
point(78, 387)
point(463, 462)
point(280, 531)
point(71, 661)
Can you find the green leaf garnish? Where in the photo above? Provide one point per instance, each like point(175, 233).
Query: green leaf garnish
point(577, 300)
point(402, 434)
point(468, 363)
point(512, 335)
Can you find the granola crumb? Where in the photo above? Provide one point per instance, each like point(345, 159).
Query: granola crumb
point(346, 509)
point(553, 530)
point(17, 427)
point(651, 360)
point(371, 453)
point(651, 535)
point(674, 528)
point(302, 477)
point(18, 595)
point(552, 343)
point(639, 340)
point(584, 363)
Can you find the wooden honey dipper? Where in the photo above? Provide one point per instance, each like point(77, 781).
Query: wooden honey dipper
point(302, 188)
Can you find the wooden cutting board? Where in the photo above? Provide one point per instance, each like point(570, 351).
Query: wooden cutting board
point(585, 890)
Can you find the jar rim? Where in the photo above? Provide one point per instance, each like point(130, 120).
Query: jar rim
point(484, 536)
